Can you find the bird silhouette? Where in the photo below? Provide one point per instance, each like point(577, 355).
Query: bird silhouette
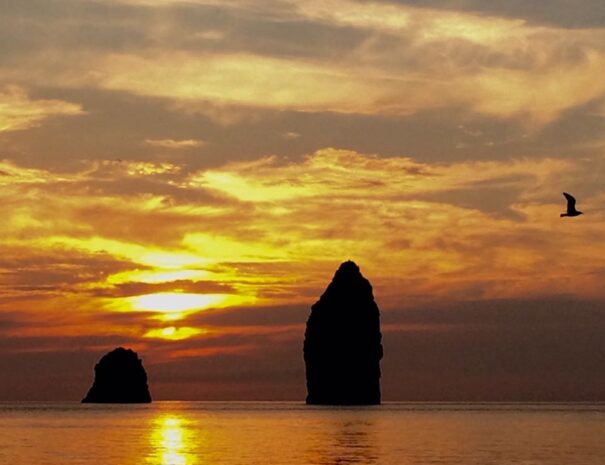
point(571, 206)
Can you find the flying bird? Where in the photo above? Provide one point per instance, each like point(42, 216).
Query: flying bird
point(571, 206)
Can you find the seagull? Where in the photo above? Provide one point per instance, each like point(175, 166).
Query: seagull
point(571, 206)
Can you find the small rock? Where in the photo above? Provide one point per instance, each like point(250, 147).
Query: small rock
point(119, 378)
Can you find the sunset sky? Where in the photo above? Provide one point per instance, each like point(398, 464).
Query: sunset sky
point(184, 177)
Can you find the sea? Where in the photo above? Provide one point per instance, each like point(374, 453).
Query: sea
point(283, 433)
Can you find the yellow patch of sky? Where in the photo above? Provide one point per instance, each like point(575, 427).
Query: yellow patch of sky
point(156, 276)
point(15, 175)
point(367, 15)
point(175, 306)
point(19, 111)
point(301, 244)
point(342, 172)
point(173, 333)
point(173, 144)
point(166, 266)
point(157, 258)
point(147, 168)
point(253, 190)
point(472, 28)
point(175, 302)
point(543, 94)
point(225, 249)
point(242, 79)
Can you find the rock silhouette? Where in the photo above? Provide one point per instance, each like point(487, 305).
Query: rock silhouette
point(342, 347)
point(119, 378)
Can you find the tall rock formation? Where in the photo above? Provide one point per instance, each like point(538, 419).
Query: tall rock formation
point(342, 348)
point(119, 378)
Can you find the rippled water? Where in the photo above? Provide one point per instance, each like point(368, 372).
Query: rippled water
point(187, 433)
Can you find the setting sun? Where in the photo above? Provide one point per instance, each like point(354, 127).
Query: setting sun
point(176, 302)
point(172, 333)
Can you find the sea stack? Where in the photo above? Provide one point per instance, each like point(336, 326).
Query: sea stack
point(343, 348)
point(119, 378)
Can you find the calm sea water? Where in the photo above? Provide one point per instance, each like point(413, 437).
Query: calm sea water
point(188, 433)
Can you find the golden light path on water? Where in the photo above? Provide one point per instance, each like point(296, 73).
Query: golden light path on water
point(172, 441)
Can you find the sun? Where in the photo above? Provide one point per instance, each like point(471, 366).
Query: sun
point(172, 333)
point(176, 302)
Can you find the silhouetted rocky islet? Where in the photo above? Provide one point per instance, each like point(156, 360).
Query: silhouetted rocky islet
point(342, 347)
point(119, 378)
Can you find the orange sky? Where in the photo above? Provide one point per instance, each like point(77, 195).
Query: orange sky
point(184, 178)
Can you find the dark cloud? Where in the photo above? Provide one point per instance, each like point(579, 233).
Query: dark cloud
point(543, 349)
point(222, 29)
point(39, 274)
point(115, 128)
point(493, 200)
point(41, 344)
point(269, 368)
point(497, 350)
point(136, 288)
point(52, 375)
point(70, 24)
point(564, 13)
point(9, 321)
point(252, 316)
point(117, 124)
point(110, 26)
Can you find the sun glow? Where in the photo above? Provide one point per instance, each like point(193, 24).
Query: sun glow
point(157, 276)
point(175, 301)
point(172, 333)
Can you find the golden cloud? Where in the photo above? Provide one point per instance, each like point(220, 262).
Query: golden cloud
point(367, 82)
point(418, 230)
point(413, 59)
point(173, 144)
point(19, 111)
point(239, 79)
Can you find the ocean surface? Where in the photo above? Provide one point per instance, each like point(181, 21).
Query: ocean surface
point(188, 433)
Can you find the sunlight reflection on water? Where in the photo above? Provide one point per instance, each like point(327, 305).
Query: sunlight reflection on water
point(172, 441)
point(197, 433)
